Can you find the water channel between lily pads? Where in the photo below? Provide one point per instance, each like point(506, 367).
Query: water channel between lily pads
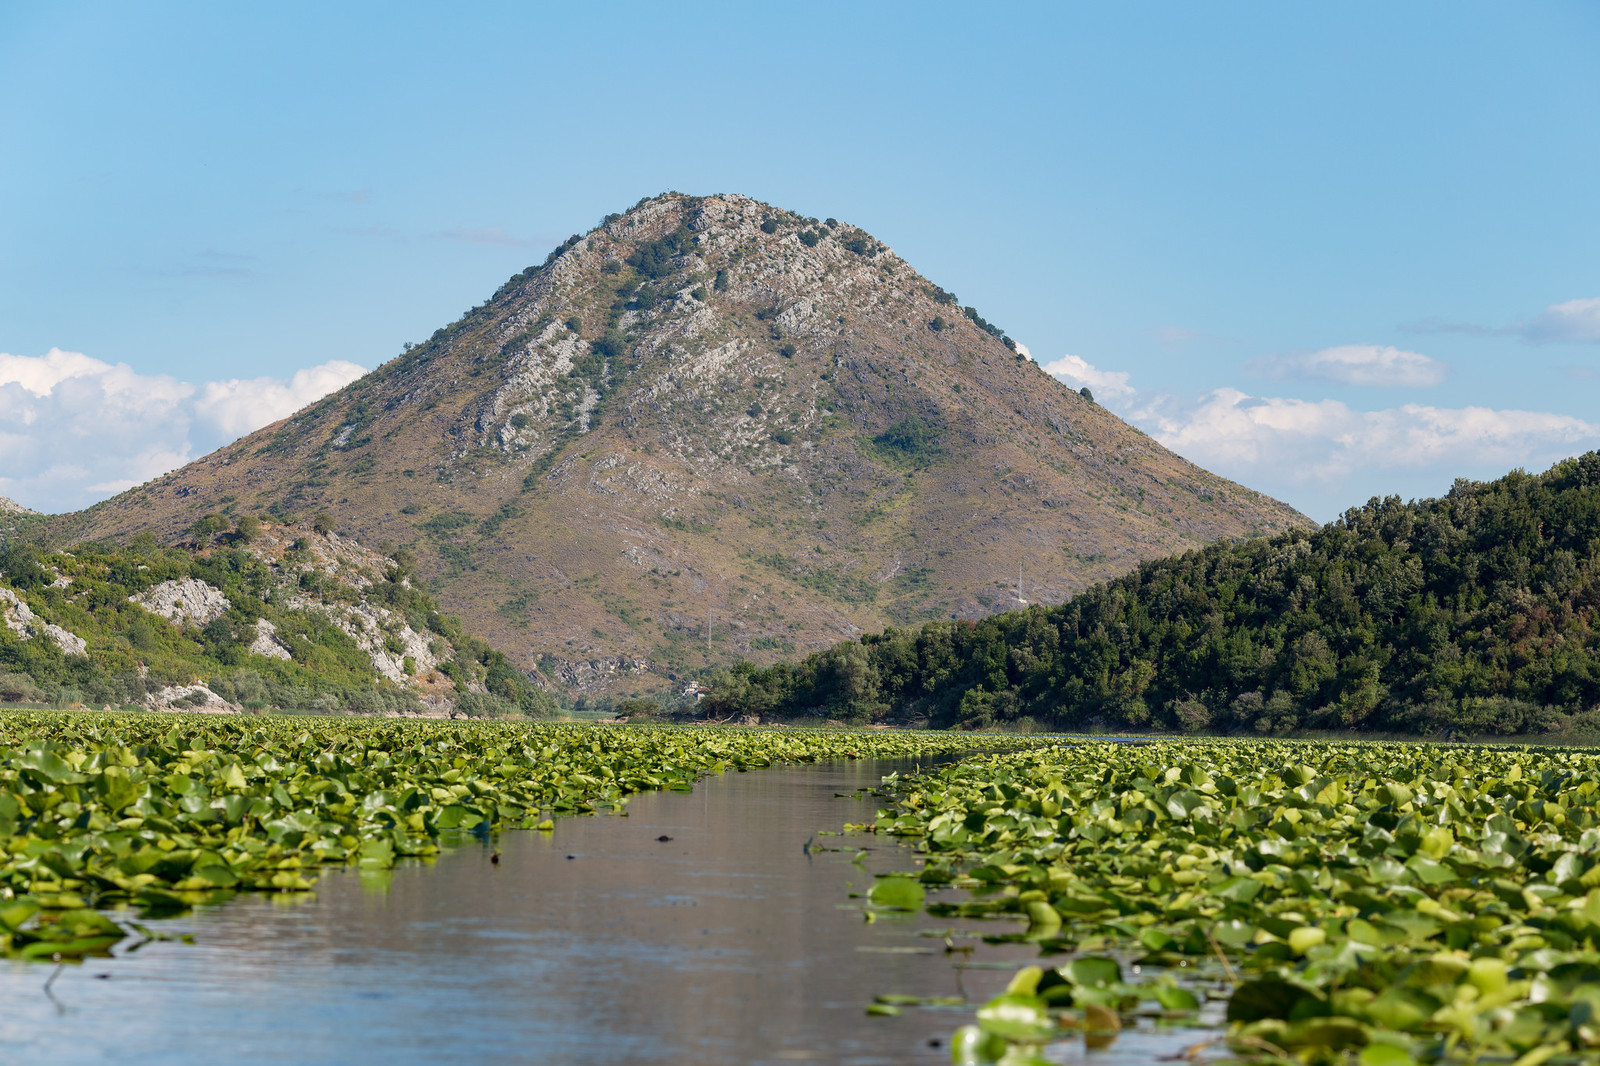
point(728, 943)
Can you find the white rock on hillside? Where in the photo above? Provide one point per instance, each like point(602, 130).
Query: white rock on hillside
point(187, 601)
point(196, 697)
point(371, 627)
point(266, 642)
point(27, 625)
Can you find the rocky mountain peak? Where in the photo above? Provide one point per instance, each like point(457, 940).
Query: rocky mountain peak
point(710, 429)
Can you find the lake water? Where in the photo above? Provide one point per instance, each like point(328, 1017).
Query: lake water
point(597, 943)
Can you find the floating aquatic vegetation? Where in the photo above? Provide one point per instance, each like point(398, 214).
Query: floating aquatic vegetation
point(1380, 903)
point(161, 812)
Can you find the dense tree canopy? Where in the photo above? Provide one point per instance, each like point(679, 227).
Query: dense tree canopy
point(1473, 612)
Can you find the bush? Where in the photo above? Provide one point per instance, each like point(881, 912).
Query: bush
point(769, 225)
point(207, 527)
point(635, 709)
point(937, 324)
point(982, 323)
point(721, 282)
point(324, 523)
point(910, 436)
point(1086, 394)
point(483, 705)
point(19, 688)
point(520, 420)
point(861, 244)
point(1191, 715)
point(142, 635)
point(575, 324)
point(810, 238)
point(655, 259)
point(247, 528)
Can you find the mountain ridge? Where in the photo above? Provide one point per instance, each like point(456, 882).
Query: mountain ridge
point(712, 429)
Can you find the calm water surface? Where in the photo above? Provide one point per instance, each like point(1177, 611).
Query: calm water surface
point(597, 943)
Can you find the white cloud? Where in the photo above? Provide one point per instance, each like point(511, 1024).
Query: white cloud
point(1325, 441)
point(1575, 320)
point(1105, 384)
point(1356, 364)
point(74, 429)
point(237, 407)
point(1323, 455)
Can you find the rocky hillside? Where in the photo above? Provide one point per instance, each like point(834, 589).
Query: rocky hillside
point(710, 430)
point(264, 617)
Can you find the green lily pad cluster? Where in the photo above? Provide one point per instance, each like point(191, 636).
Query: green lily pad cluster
point(1371, 902)
point(162, 812)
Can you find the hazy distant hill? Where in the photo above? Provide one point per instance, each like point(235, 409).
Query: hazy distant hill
point(712, 411)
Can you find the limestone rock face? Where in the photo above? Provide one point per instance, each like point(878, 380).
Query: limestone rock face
point(266, 641)
point(188, 602)
point(8, 506)
point(384, 635)
point(21, 620)
point(196, 697)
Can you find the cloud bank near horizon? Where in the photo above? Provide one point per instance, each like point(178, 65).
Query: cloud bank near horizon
point(75, 430)
point(1323, 456)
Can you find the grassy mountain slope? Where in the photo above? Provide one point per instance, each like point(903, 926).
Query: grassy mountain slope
point(707, 430)
point(1475, 612)
point(266, 618)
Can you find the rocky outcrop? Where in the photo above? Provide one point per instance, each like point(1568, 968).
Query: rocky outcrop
point(385, 636)
point(266, 641)
point(188, 602)
point(196, 697)
point(13, 507)
point(21, 620)
point(595, 675)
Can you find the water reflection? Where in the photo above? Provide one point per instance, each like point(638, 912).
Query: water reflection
point(600, 942)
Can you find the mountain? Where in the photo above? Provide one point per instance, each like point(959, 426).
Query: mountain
point(711, 429)
point(1474, 613)
point(264, 617)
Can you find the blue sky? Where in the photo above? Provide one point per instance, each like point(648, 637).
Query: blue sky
point(1328, 251)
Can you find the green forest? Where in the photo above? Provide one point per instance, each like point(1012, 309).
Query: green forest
point(1470, 614)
